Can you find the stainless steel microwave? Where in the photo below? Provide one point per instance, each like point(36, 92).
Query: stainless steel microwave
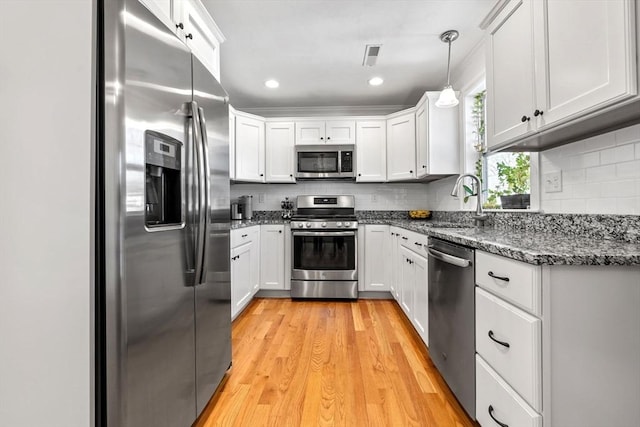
point(325, 162)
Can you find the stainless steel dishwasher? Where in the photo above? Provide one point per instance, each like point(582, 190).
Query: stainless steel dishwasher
point(452, 318)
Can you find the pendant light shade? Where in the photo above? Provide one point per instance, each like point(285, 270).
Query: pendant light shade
point(447, 97)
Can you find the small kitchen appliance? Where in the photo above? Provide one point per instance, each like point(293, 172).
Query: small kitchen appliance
point(324, 262)
point(245, 205)
point(325, 162)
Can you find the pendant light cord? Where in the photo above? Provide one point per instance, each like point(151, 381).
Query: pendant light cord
point(449, 62)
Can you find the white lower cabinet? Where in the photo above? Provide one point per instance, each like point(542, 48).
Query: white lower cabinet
point(420, 318)
point(408, 281)
point(245, 267)
point(376, 267)
point(497, 402)
point(272, 256)
point(395, 261)
point(510, 340)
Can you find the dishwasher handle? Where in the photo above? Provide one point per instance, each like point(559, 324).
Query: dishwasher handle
point(449, 259)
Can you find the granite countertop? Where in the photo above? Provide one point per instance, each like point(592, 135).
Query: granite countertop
point(531, 247)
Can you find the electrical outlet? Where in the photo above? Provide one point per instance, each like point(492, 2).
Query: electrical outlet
point(552, 182)
point(374, 198)
point(261, 198)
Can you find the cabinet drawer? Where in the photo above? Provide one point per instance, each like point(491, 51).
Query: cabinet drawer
point(518, 358)
point(494, 398)
point(515, 281)
point(416, 242)
point(240, 236)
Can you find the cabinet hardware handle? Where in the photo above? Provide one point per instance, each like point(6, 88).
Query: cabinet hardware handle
point(405, 238)
point(525, 119)
point(393, 234)
point(189, 36)
point(538, 113)
point(321, 138)
point(494, 418)
point(359, 174)
point(505, 344)
point(244, 235)
point(280, 231)
point(328, 138)
point(180, 26)
point(505, 279)
point(290, 174)
point(261, 174)
point(417, 244)
point(424, 167)
point(410, 171)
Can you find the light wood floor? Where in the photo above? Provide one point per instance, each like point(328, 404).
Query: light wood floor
point(330, 363)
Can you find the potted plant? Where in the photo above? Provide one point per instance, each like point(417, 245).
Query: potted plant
point(478, 118)
point(514, 179)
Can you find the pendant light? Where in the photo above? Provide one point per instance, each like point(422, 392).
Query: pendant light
point(447, 97)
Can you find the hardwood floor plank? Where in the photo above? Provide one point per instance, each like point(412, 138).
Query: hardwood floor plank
point(330, 363)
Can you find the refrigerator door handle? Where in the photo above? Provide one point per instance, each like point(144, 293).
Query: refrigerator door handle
point(207, 194)
point(197, 139)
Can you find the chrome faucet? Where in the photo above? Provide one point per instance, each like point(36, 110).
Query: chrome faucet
point(480, 217)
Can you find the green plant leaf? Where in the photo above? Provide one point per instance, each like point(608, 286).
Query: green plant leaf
point(468, 190)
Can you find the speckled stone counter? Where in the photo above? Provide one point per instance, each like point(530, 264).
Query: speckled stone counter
point(534, 246)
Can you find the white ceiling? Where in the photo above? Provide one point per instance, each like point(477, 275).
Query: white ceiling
point(315, 49)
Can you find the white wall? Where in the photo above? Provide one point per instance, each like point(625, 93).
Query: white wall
point(600, 175)
point(46, 210)
point(368, 196)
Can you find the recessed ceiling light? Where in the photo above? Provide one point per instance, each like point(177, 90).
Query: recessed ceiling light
point(271, 84)
point(376, 81)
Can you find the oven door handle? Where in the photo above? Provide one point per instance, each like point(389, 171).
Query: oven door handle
point(323, 233)
point(449, 259)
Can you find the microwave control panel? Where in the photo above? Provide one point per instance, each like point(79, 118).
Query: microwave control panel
point(346, 161)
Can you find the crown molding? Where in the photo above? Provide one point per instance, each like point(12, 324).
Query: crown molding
point(495, 10)
point(364, 110)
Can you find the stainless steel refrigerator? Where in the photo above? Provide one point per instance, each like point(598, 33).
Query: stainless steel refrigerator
point(163, 316)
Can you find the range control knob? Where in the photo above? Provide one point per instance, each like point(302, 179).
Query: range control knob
point(338, 224)
point(308, 225)
point(324, 224)
point(347, 224)
point(300, 225)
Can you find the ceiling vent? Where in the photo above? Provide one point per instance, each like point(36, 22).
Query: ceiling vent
point(371, 52)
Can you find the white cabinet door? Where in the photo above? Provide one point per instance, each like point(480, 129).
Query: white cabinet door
point(401, 147)
point(279, 143)
point(376, 265)
point(340, 132)
point(255, 259)
point(422, 140)
point(202, 35)
point(310, 132)
point(232, 144)
point(586, 51)
point(437, 138)
point(240, 278)
point(510, 78)
point(163, 10)
point(249, 149)
point(371, 151)
point(272, 257)
point(421, 298)
point(408, 281)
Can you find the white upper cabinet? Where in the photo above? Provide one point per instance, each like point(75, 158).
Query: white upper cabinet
point(437, 134)
point(588, 56)
point(510, 91)
point(340, 132)
point(202, 35)
point(371, 151)
point(401, 147)
point(191, 22)
point(232, 144)
point(549, 62)
point(279, 143)
point(326, 132)
point(249, 145)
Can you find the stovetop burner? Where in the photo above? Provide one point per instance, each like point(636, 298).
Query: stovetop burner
point(323, 218)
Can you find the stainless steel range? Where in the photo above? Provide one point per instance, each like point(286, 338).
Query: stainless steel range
point(325, 247)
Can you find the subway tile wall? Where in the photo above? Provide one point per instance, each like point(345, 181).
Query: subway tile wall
point(401, 196)
point(600, 175)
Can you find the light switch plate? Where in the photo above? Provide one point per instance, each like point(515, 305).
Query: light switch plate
point(552, 182)
point(261, 198)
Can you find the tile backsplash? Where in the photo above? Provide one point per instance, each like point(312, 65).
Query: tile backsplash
point(599, 175)
point(400, 196)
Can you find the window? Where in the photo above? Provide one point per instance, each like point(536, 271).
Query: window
point(505, 177)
